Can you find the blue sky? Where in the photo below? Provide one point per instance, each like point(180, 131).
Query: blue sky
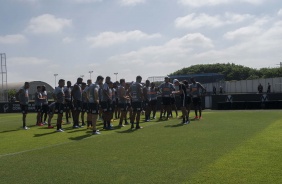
point(135, 37)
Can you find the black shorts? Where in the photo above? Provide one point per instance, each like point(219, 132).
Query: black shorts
point(24, 108)
point(106, 106)
point(146, 104)
point(45, 108)
point(186, 101)
point(166, 101)
point(137, 106)
point(59, 108)
point(128, 105)
point(69, 105)
point(153, 103)
point(93, 108)
point(38, 108)
point(77, 105)
point(197, 101)
point(84, 107)
point(114, 105)
point(172, 100)
point(122, 106)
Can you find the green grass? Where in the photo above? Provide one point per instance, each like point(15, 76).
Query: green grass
point(224, 147)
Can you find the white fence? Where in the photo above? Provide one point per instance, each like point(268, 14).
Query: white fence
point(247, 86)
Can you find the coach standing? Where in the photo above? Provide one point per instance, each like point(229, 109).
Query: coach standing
point(23, 98)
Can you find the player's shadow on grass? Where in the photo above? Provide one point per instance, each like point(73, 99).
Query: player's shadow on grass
point(127, 131)
point(6, 131)
point(78, 138)
point(174, 126)
point(77, 130)
point(40, 135)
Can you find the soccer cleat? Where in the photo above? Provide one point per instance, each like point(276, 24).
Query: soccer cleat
point(75, 126)
point(39, 124)
point(50, 127)
point(196, 117)
point(60, 130)
point(121, 125)
point(200, 117)
point(45, 123)
point(96, 133)
point(139, 127)
point(25, 128)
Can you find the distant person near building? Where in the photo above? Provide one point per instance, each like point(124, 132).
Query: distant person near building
point(196, 97)
point(214, 90)
point(268, 88)
point(260, 88)
point(23, 97)
point(220, 90)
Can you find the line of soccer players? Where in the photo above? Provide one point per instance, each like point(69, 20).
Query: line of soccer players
point(108, 99)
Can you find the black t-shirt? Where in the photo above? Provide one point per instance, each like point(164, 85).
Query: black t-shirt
point(182, 88)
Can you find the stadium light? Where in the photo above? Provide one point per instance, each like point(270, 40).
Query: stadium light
point(116, 75)
point(90, 72)
point(55, 75)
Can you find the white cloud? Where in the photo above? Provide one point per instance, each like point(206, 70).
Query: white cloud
point(200, 3)
point(47, 23)
point(27, 61)
point(12, 39)
point(243, 32)
point(279, 12)
point(106, 39)
point(194, 21)
point(131, 2)
point(67, 40)
point(163, 59)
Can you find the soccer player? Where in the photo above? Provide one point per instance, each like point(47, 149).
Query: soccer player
point(128, 104)
point(51, 111)
point(59, 97)
point(184, 93)
point(195, 88)
point(147, 99)
point(136, 95)
point(153, 102)
point(38, 105)
point(166, 89)
point(117, 110)
point(77, 101)
point(172, 101)
point(106, 104)
point(84, 104)
point(113, 102)
point(23, 98)
point(45, 106)
point(84, 97)
point(92, 96)
point(68, 99)
point(122, 98)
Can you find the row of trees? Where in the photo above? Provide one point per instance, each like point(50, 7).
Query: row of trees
point(231, 71)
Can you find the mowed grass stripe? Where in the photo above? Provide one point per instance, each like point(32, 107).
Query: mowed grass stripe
point(164, 153)
point(256, 160)
point(14, 140)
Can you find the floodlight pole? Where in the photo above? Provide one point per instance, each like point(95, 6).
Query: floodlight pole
point(116, 75)
point(55, 75)
point(90, 72)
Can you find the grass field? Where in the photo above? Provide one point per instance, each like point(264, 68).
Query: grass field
point(223, 147)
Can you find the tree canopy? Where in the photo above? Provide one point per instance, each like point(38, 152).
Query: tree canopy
point(231, 71)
